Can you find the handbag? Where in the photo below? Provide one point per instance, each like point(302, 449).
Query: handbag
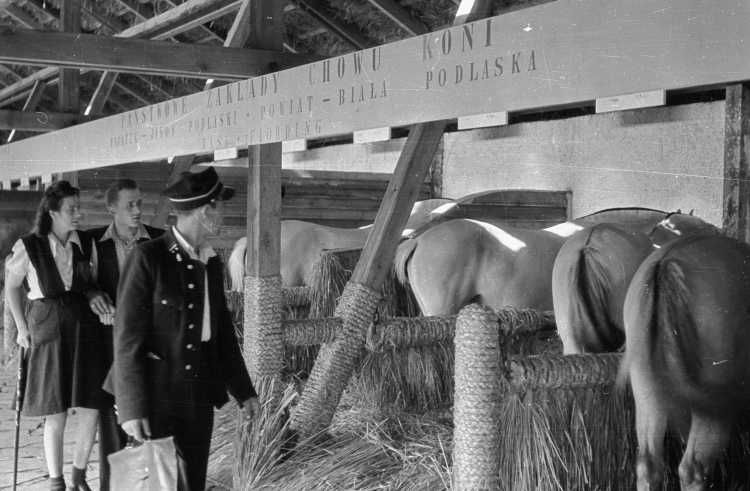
point(154, 465)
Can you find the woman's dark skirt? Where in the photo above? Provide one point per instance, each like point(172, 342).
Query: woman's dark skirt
point(66, 359)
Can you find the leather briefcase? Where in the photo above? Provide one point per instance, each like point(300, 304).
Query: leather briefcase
point(154, 465)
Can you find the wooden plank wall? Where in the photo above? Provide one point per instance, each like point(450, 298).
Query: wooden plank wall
point(337, 199)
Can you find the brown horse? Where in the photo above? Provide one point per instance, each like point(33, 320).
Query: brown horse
point(592, 273)
point(463, 261)
point(303, 242)
point(687, 326)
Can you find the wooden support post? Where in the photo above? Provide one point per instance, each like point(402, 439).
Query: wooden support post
point(736, 209)
point(264, 346)
point(357, 305)
point(70, 21)
point(161, 212)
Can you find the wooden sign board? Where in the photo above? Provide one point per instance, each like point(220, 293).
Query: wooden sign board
point(289, 146)
point(483, 120)
point(558, 53)
point(226, 153)
point(374, 135)
point(631, 101)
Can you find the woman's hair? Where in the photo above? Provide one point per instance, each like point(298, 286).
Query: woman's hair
point(52, 201)
point(113, 191)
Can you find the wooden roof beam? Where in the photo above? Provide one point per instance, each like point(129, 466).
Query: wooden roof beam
point(352, 36)
point(69, 50)
point(400, 16)
point(39, 122)
point(159, 27)
point(31, 103)
point(69, 81)
point(131, 91)
point(202, 27)
point(17, 14)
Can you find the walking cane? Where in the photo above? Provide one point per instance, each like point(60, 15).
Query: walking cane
point(20, 387)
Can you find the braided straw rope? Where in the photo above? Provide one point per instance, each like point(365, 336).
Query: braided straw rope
point(264, 338)
point(336, 361)
point(308, 332)
point(411, 332)
point(295, 296)
point(567, 372)
point(523, 322)
point(477, 399)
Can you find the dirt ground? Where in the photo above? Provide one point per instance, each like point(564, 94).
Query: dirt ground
point(32, 469)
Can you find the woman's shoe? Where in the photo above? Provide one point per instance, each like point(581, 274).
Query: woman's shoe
point(78, 478)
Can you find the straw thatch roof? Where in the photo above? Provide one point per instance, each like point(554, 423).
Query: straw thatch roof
point(311, 27)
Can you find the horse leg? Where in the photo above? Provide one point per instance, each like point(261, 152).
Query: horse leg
point(708, 437)
point(651, 425)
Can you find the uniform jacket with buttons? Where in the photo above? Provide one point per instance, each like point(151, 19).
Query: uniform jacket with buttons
point(157, 333)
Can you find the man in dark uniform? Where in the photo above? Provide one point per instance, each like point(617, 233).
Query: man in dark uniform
point(176, 353)
point(113, 244)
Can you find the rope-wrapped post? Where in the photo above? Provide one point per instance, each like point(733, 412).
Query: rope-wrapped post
point(336, 361)
point(477, 399)
point(264, 337)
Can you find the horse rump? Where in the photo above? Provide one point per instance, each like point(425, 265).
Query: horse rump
point(401, 261)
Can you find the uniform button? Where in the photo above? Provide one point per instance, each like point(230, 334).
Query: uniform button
point(191, 286)
point(191, 326)
point(189, 346)
point(190, 266)
point(164, 302)
point(188, 367)
point(190, 306)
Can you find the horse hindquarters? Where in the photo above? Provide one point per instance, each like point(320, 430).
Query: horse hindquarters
point(683, 320)
point(650, 405)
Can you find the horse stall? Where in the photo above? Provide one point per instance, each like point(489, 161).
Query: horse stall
point(607, 102)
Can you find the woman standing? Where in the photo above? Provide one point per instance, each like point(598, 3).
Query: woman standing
point(55, 267)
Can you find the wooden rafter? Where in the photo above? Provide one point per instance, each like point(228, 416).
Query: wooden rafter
point(352, 36)
point(39, 122)
point(400, 16)
point(22, 17)
point(93, 11)
point(46, 48)
point(46, 9)
point(158, 27)
point(210, 32)
point(32, 102)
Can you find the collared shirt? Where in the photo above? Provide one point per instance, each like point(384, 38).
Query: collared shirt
point(204, 253)
point(20, 264)
point(123, 248)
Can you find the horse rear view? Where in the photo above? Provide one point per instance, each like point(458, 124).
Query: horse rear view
point(594, 269)
point(687, 326)
point(589, 282)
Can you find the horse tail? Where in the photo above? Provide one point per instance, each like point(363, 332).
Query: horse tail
point(590, 294)
point(674, 332)
point(669, 326)
point(403, 255)
point(236, 265)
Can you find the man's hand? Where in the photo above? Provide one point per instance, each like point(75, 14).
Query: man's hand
point(251, 409)
point(137, 428)
point(100, 303)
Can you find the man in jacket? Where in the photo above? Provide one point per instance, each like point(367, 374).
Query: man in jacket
point(113, 244)
point(176, 353)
